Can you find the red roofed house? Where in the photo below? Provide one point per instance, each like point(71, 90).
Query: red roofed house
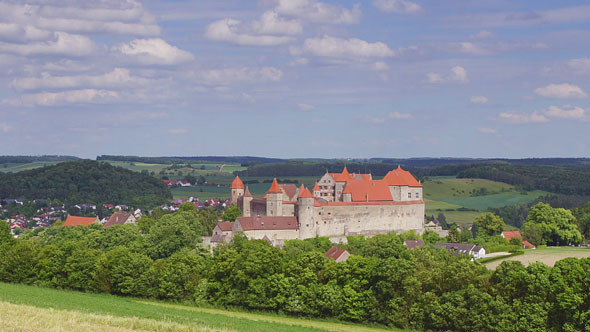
point(340, 205)
point(80, 221)
point(337, 254)
point(222, 232)
point(121, 218)
point(508, 235)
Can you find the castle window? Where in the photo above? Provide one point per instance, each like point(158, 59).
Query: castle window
point(417, 195)
point(409, 195)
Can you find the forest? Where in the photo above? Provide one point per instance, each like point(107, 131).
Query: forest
point(426, 289)
point(86, 181)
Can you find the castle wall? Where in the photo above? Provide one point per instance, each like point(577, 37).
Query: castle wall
point(368, 219)
point(257, 207)
point(288, 209)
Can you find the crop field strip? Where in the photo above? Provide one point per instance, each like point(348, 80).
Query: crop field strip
point(547, 256)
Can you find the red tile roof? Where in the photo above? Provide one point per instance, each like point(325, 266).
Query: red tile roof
point(268, 223)
point(237, 183)
point(400, 177)
point(247, 193)
point(226, 226)
point(79, 221)
point(368, 191)
point(511, 234)
point(316, 187)
point(335, 253)
point(304, 192)
point(118, 218)
point(274, 188)
point(528, 244)
point(289, 189)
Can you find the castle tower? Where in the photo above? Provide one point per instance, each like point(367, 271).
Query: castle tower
point(316, 190)
point(246, 208)
point(274, 200)
point(237, 189)
point(307, 226)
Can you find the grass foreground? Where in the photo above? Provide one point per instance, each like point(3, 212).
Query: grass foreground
point(29, 308)
point(547, 256)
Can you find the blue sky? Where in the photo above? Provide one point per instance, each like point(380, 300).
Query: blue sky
point(295, 78)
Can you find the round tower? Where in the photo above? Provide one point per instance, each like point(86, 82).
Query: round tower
point(237, 189)
point(274, 200)
point(305, 204)
point(246, 207)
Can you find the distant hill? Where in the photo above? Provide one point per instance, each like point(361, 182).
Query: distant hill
point(30, 159)
point(86, 181)
point(244, 160)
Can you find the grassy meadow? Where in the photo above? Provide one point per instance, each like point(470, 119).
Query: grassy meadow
point(547, 256)
point(28, 308)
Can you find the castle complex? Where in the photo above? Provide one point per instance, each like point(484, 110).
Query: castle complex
point(340, 204)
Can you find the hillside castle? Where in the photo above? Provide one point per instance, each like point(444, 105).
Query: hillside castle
point(341, 204)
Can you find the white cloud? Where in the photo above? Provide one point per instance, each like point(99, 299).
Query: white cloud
point(479, 99)
point(467, 48)
point(580, 64)
point(397, 6)
point(486, 48)
point(4, 127)
point(12, 32)
point(563, 90)
point(565, 112)
point(84, 96)
point(398, 115)
point(228, 30)
point(335, 47)
point(271, 24)
point(119, 77)
point(154, 51)
point(487, 130)
point(61, 43)
point(380, 65)
point(177, 131)
point(483, 34)
point(458, 74)
point(229, 76)
point(306, 107)
point(320, 12)
point(373, 119)
point(519, 118)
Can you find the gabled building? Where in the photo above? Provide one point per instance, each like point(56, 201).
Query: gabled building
point(508, 235)
point(463, 249)
point(121, 218)
point(341, 204)
point(80, 221)
point(337, 254)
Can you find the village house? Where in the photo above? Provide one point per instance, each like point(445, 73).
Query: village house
point(463, 249)
point(80, 221)
point(413, 244)
point(508, 235)
point(183, 183)
point(337, 254)
point(120, 218)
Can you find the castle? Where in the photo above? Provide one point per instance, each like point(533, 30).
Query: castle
point(341, 204)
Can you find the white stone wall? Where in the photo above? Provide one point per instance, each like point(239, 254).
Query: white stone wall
point(288, 209)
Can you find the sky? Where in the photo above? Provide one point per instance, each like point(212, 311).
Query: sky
point(295, 78)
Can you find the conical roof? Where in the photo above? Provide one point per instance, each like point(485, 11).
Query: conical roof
point(237, 183)
point(247, 193)
point(274, 188)
point(316, 187)
point(304, 192)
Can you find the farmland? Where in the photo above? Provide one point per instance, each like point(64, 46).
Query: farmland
point(28, 308)
point(547, 256)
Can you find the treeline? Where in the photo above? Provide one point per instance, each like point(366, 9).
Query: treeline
point(382, 282)
point(31, 159)
point(552, 179)
point(245, 160)
point(86, 181)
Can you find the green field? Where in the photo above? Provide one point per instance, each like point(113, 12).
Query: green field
point(547, 256)
point(451, 187)
point(14, 167)
point(28, 308)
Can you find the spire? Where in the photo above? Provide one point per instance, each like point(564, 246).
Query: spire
point(304, 192)
point(237, 183)
point(345, 172)
point(247, 193)
point(274, 188)
point(316, 187)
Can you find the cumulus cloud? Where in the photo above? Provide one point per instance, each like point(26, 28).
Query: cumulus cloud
point(563, 90)
point(61, 43)
point(177, 131)
point(487, 47)
point(398, 115)
point(520, 118)
point(319, 12)
point(397, 6)
point(565, 112)
point(458, 74)
point(380, 65)
point(487, 130)
point(327, 46)
point(121, 17)
point(483, 34)
point(306, 107)
point(479, 99)
point(84, 96)
point(580, 64)
point(228, 30)
point(119, 77)
point(271, 24)
point(154, 51)
point(228, 76)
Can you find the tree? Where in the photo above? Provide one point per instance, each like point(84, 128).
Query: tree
point(559, 225)
point(191, 178)
point(430, 237)
point(5, 236)
point(489, 224)
point(582, 214)
point(231, 213)
point(454, 235)
point(533, 233)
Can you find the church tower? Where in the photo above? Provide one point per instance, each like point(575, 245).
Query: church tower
point(237, 189)
point(307, 226)
point(274, 200)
